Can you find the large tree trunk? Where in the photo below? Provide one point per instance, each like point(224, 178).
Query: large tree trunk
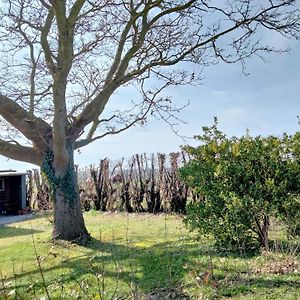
point(68, 221)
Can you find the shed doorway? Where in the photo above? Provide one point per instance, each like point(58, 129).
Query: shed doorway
point(12, 192)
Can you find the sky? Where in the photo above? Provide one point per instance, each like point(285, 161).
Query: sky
point(266, 102)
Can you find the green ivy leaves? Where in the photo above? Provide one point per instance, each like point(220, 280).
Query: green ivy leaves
point(63, 184)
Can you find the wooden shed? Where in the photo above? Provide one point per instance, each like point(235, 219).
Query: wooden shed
point(12, 191)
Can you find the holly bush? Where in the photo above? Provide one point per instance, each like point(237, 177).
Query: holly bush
point(240, 183)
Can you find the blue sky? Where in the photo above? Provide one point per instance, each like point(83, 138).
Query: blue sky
point(266, 102)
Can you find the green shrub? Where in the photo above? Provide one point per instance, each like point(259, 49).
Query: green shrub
point(240, 183)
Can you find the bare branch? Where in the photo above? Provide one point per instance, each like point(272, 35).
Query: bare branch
point(75, 55)
point(44, 41)
point(33, 128)
point(22, 153)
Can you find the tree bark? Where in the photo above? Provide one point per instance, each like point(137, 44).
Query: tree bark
point(68, 219)
point(68, 223)
point(263, 231)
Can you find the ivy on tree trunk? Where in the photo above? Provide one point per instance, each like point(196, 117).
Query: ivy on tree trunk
point(68, 223)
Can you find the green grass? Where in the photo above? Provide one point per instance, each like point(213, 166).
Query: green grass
point(137, 256)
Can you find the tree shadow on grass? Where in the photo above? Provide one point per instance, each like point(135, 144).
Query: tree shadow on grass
point(9, 231)
point(160, 265)
point(149, 268)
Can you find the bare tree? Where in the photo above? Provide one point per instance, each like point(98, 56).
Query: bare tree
point(63, 60)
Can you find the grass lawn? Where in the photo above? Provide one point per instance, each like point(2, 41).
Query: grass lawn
point(138, 256)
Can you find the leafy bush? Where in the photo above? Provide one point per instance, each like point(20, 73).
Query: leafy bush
point(240, 183)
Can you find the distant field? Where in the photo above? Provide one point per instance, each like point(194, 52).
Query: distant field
point(137, 256)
